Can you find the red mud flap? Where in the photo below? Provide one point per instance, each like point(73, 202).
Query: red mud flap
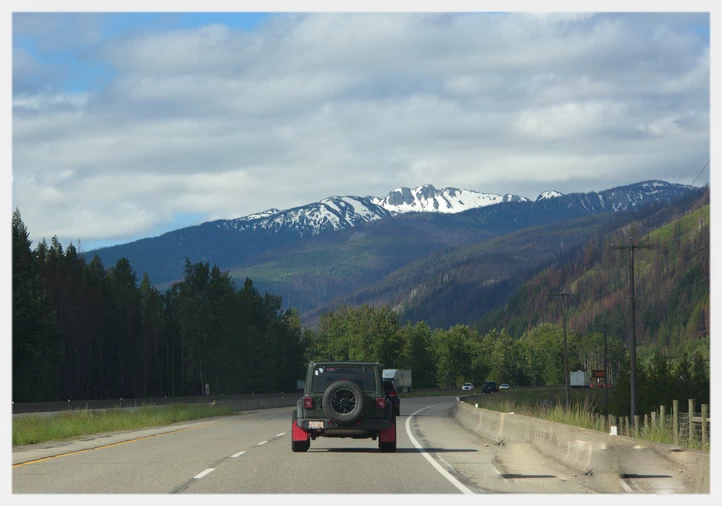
point(298, 434)
point(388, 435)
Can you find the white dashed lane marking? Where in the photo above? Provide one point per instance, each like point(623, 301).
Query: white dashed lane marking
point(258, 444)
point(201, 475)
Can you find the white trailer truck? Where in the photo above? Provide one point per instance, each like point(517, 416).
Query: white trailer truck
point(402, 378)
point(579, 379)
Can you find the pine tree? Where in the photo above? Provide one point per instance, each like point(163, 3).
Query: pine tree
point(36, 351)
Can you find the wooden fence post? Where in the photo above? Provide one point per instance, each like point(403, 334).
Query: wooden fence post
point(705, 411)
point(654, 419)
point(662, 417)
point(690, 412)
point(675, 421)
point(611, 422)
point(646, 423)
point(626, 426)
point(636, 425)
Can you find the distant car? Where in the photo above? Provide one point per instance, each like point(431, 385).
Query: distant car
point(467, 386)
point(504, 386)
point(392, 393)
point(489, 387)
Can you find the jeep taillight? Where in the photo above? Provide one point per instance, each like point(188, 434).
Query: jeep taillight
point(308, 403)
point(380, 402)
point(393, 394)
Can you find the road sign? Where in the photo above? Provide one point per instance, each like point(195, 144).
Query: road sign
point(598, 373)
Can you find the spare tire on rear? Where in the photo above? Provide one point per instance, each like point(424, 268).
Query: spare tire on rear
point(343, 402)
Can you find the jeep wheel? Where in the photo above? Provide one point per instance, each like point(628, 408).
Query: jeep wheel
point(343, 402)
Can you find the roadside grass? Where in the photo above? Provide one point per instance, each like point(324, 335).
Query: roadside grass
point(547, 403)
point(66, 425)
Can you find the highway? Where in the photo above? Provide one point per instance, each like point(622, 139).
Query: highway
point(250, 453)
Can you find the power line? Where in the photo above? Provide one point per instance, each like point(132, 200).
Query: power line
point(700, 173)
point(673, 291)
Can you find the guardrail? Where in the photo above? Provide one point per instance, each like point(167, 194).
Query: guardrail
point(241, 402)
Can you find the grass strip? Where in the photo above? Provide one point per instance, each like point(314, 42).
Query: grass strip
point(66, 425)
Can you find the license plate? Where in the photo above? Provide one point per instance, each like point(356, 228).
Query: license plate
point(315, 424)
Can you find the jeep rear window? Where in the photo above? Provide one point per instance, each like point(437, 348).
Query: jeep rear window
point(323, 376)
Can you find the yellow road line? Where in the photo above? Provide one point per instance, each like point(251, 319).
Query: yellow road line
point(109, 445)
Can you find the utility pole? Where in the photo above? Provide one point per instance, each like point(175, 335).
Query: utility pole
point(606, 373)
point(632, 247)
point(563, 296)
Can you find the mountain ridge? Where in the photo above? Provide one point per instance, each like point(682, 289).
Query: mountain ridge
point(260, 237)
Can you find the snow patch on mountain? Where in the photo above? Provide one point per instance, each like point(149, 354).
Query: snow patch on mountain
point(262, 214)
point(333, 213)
point(549, 194)
point(426, 198)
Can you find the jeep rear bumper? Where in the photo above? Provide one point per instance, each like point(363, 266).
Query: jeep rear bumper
point(361, 429)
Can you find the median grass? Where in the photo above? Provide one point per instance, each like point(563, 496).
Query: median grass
point(32, 429)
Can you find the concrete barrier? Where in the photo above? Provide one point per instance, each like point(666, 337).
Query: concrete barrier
point(586, 450)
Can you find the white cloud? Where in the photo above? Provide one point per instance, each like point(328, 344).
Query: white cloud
point(220, 121)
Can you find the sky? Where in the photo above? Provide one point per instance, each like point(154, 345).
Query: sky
point(128, 125)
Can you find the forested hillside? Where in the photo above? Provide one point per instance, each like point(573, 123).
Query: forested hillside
point(671, 282)
point(462, 283)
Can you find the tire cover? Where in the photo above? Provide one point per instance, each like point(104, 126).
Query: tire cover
point(343, 402)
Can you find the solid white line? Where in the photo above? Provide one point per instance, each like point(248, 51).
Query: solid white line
point(237, 455)
point(281, 434)
point(201, 475)
point(436, 465)
point(262, 443)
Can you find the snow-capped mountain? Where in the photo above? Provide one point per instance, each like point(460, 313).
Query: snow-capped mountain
point(622, 198)
point(426, 198)
point(243, 241)
point(339, 213)
point(333, 213)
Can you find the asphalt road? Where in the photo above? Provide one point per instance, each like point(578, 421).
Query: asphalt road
point(251, 453)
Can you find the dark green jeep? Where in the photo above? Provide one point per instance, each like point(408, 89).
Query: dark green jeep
point(344, 399)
